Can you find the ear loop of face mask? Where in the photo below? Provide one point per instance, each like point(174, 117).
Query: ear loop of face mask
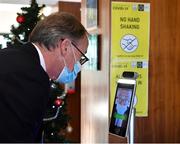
point(64, 62)
point(75, 57)
point(73, 54)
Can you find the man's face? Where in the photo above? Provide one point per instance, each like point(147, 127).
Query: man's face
point(79, 49)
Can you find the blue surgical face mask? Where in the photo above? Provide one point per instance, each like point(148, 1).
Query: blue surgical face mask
point(67, 76)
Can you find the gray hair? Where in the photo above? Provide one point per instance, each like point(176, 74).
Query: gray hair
point(55, 27)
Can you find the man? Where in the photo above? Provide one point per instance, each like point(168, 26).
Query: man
point(55, 51)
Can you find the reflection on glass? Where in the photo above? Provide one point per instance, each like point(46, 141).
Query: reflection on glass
point(92, 53)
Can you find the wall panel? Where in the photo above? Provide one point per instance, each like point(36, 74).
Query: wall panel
point(163, 121)
point(95, 85)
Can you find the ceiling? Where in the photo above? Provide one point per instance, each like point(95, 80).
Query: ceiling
point(47, 2)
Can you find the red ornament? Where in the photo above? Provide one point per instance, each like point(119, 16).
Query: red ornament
point(58, 102)
point(71, 91)
point(20, 19)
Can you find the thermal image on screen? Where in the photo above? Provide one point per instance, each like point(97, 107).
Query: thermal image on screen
point(121, 110)
point(122, 103)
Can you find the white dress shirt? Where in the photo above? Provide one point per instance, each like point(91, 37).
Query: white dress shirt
point(42, 62)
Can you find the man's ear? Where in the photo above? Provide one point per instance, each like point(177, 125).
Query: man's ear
point(64, 46)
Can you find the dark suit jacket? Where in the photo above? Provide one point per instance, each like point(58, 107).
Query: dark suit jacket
point(24, 92)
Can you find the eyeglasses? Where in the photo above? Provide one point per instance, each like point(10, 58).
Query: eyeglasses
point(83, 58)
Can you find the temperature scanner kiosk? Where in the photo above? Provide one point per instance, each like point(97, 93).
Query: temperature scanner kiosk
point(123, 107)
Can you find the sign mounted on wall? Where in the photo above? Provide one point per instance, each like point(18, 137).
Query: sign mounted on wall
point(130, 24)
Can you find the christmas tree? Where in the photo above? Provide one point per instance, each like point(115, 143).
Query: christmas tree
point(56, 118)
point(26, 22)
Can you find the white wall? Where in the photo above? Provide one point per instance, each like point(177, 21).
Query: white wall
point(8, 14)
point(47, 2)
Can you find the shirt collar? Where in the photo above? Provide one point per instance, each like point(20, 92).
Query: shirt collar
point(42, 61)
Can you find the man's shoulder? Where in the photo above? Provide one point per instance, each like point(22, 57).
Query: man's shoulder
point(12, 59)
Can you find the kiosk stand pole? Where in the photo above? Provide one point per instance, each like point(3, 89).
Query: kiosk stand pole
point(131, 127)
